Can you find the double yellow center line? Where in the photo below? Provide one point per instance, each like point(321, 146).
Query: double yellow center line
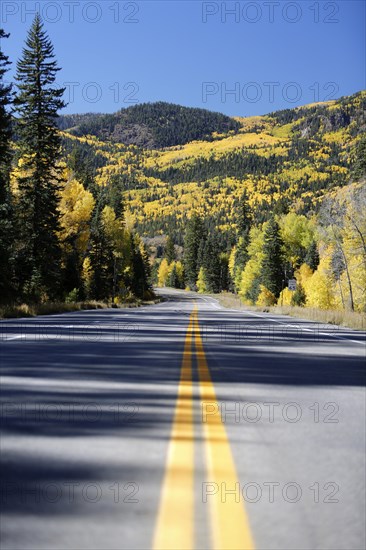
point(229, 526)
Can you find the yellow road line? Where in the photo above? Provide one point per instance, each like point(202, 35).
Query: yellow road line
point(174, 530)
point(229, 521)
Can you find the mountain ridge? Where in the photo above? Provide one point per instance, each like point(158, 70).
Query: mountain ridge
point(150, 125)
point(107, 126)
point(287, 160)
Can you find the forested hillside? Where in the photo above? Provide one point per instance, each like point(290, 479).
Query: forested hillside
point(285, 161)
point(150, 125)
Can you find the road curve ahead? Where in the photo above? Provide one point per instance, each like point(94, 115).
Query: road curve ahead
point(182, 425)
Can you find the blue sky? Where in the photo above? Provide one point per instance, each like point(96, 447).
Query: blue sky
point(239, 58)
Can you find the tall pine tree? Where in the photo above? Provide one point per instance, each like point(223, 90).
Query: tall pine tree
point(140, 283)
point(359, 165)
point(312, 256)
point(273, 261)
point(212, 264)
point(245, 220)
point(100, 254)
point(169, 251)
point(193, 248)
point(245, 216)
point(37, 104)
point(6, 226)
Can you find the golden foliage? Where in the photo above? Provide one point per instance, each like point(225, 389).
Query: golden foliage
point(201, 281)
point(163, 272)
point(266, 297)
point(76, 207)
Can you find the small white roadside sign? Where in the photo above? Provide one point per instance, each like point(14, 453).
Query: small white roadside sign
point(292, 284)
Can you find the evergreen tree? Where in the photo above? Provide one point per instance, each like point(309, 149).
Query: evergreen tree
point(147, 286)
point(245, 217)
point(140, 282)
point(82, 168)
point(272, 274)
point(224, 272)
point(114, 195)
point(359, 166)
point(202, 248)
point(6, 225)
point(72, 272)
point(101, 257)
point(312, 256)
point(173, 279)
point(5, 123)
point(37, 104)
point(242, 256)
point(192, 241)
point(280, 207)
point(212, 264)
point(169, 250)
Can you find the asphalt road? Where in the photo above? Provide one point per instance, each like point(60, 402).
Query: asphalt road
point(181, 425)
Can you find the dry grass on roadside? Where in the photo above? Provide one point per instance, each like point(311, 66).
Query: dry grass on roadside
point(32, 310)
point(350, 319)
